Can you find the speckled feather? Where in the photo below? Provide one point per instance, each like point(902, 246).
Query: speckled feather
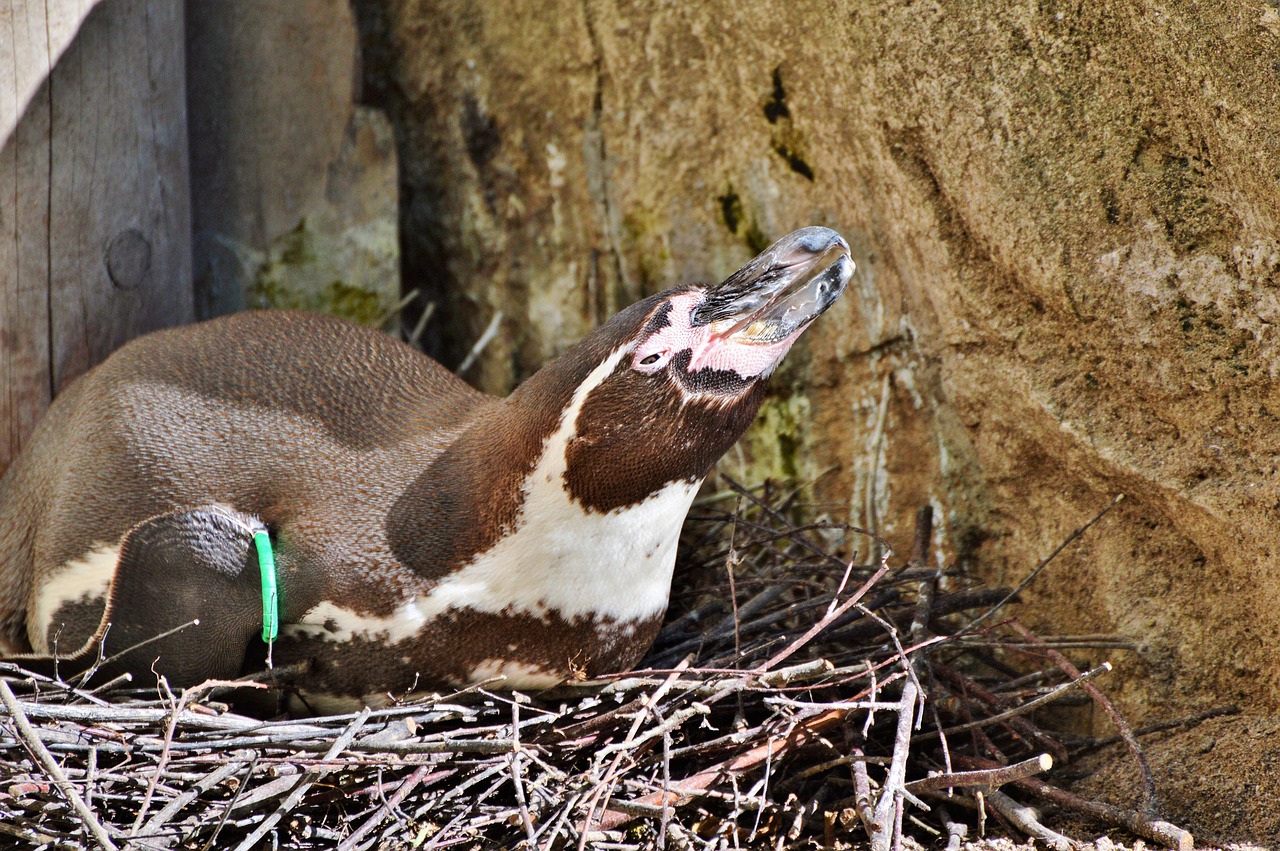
point(426, 534)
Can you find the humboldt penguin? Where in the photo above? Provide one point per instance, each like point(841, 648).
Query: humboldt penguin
point(425, 534)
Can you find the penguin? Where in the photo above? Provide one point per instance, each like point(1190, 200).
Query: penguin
point(424, 535)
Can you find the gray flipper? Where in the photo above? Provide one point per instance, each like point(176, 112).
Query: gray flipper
point(174, 569)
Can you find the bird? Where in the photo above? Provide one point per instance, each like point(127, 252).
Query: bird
point(420, 534)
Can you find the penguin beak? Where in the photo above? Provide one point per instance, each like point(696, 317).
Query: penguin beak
point(777, 294)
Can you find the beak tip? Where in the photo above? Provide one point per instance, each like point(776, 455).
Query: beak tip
point(817, 240)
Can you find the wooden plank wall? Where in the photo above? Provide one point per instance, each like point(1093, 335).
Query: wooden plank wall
point(95, 232)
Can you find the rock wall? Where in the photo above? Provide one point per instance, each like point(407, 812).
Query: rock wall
point(293, 184)
point(1067, 223)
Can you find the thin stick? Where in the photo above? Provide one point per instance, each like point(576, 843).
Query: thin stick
point(989, 778)
point(408, 298)
point(929, 586)
point(605, 787)
point(730, 564)
point(1022, 726)
point(485, 338)
point(167, 743)
point(83, 678)
point(1122, 726)
point(339, 745)
point(406, 786)
point(869, 512)
point(956, 832)
point(1169, 835)
point(973, 625)
point(516, 779)
point(422, 323)
point(826, 621)
point(862, 795)
point(1028, 821)
point(171, 809)
point(885, 836)
point(50, 764)
point(1081, 680)
point(1158, 727)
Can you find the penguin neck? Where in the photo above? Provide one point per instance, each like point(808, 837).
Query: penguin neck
point(473, 493)
point(556, 555)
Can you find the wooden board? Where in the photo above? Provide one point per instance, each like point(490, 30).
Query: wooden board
point(32, 37)
point(94, 201)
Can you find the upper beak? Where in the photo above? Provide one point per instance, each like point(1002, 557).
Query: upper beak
point(782, 290)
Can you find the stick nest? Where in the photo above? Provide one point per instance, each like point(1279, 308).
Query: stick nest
point(803, 700)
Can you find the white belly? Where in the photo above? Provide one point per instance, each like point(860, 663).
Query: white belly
point(616, 565)
point(83, 580)
point(560, 557)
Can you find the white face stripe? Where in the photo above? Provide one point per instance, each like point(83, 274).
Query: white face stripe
point(572, 561)
point(79, 580)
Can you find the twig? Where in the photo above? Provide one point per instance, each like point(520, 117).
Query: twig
point(605, 787)
point(1081, 680)
point(956, 833)
point(304, 784)
point(422, 323)
point(1169, 835)
point(1028, 821)
point(1122, 726)
point(928, 587)
point(870, 514)
point(490, 331)
point(886, 836)
point(169, 728)
point(731, 562)
point(101, 662)
point(1042, 565)
point(862, 796)
point(516, 779)
point(696, 786)
point(1022, 726)
point(406, 786)
point(41, 753)
point(396, 308)
point(826, 621)
point(988, 778)
point(1087, 745)
point(173, 807)
point(665, 727)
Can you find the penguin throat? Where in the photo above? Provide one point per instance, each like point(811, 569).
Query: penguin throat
point(556, 558)
point(566, 557)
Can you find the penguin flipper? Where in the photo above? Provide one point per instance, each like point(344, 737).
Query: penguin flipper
point(174, 570)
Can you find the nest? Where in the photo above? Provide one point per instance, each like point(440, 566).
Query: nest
point(804, 699)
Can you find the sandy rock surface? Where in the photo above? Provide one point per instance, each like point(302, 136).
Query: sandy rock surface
point(1066, 222)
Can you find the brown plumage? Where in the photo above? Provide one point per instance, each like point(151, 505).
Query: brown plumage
point(425, 533)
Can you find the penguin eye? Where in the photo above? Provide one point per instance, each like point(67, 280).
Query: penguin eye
point(653, 361)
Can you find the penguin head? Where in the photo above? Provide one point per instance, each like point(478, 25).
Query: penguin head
point(715, 343)
point(668, 385)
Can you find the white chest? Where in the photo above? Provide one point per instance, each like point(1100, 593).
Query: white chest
point(616, 565)
point(560, 557)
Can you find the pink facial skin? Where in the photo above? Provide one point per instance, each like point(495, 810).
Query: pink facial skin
point(712, 348)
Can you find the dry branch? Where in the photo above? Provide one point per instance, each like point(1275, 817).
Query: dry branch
point(772, 700)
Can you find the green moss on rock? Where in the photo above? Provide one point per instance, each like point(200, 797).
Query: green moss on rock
point(774, 441)
point(307, 270)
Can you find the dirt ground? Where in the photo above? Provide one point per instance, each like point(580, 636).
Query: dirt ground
point(1221, 779)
